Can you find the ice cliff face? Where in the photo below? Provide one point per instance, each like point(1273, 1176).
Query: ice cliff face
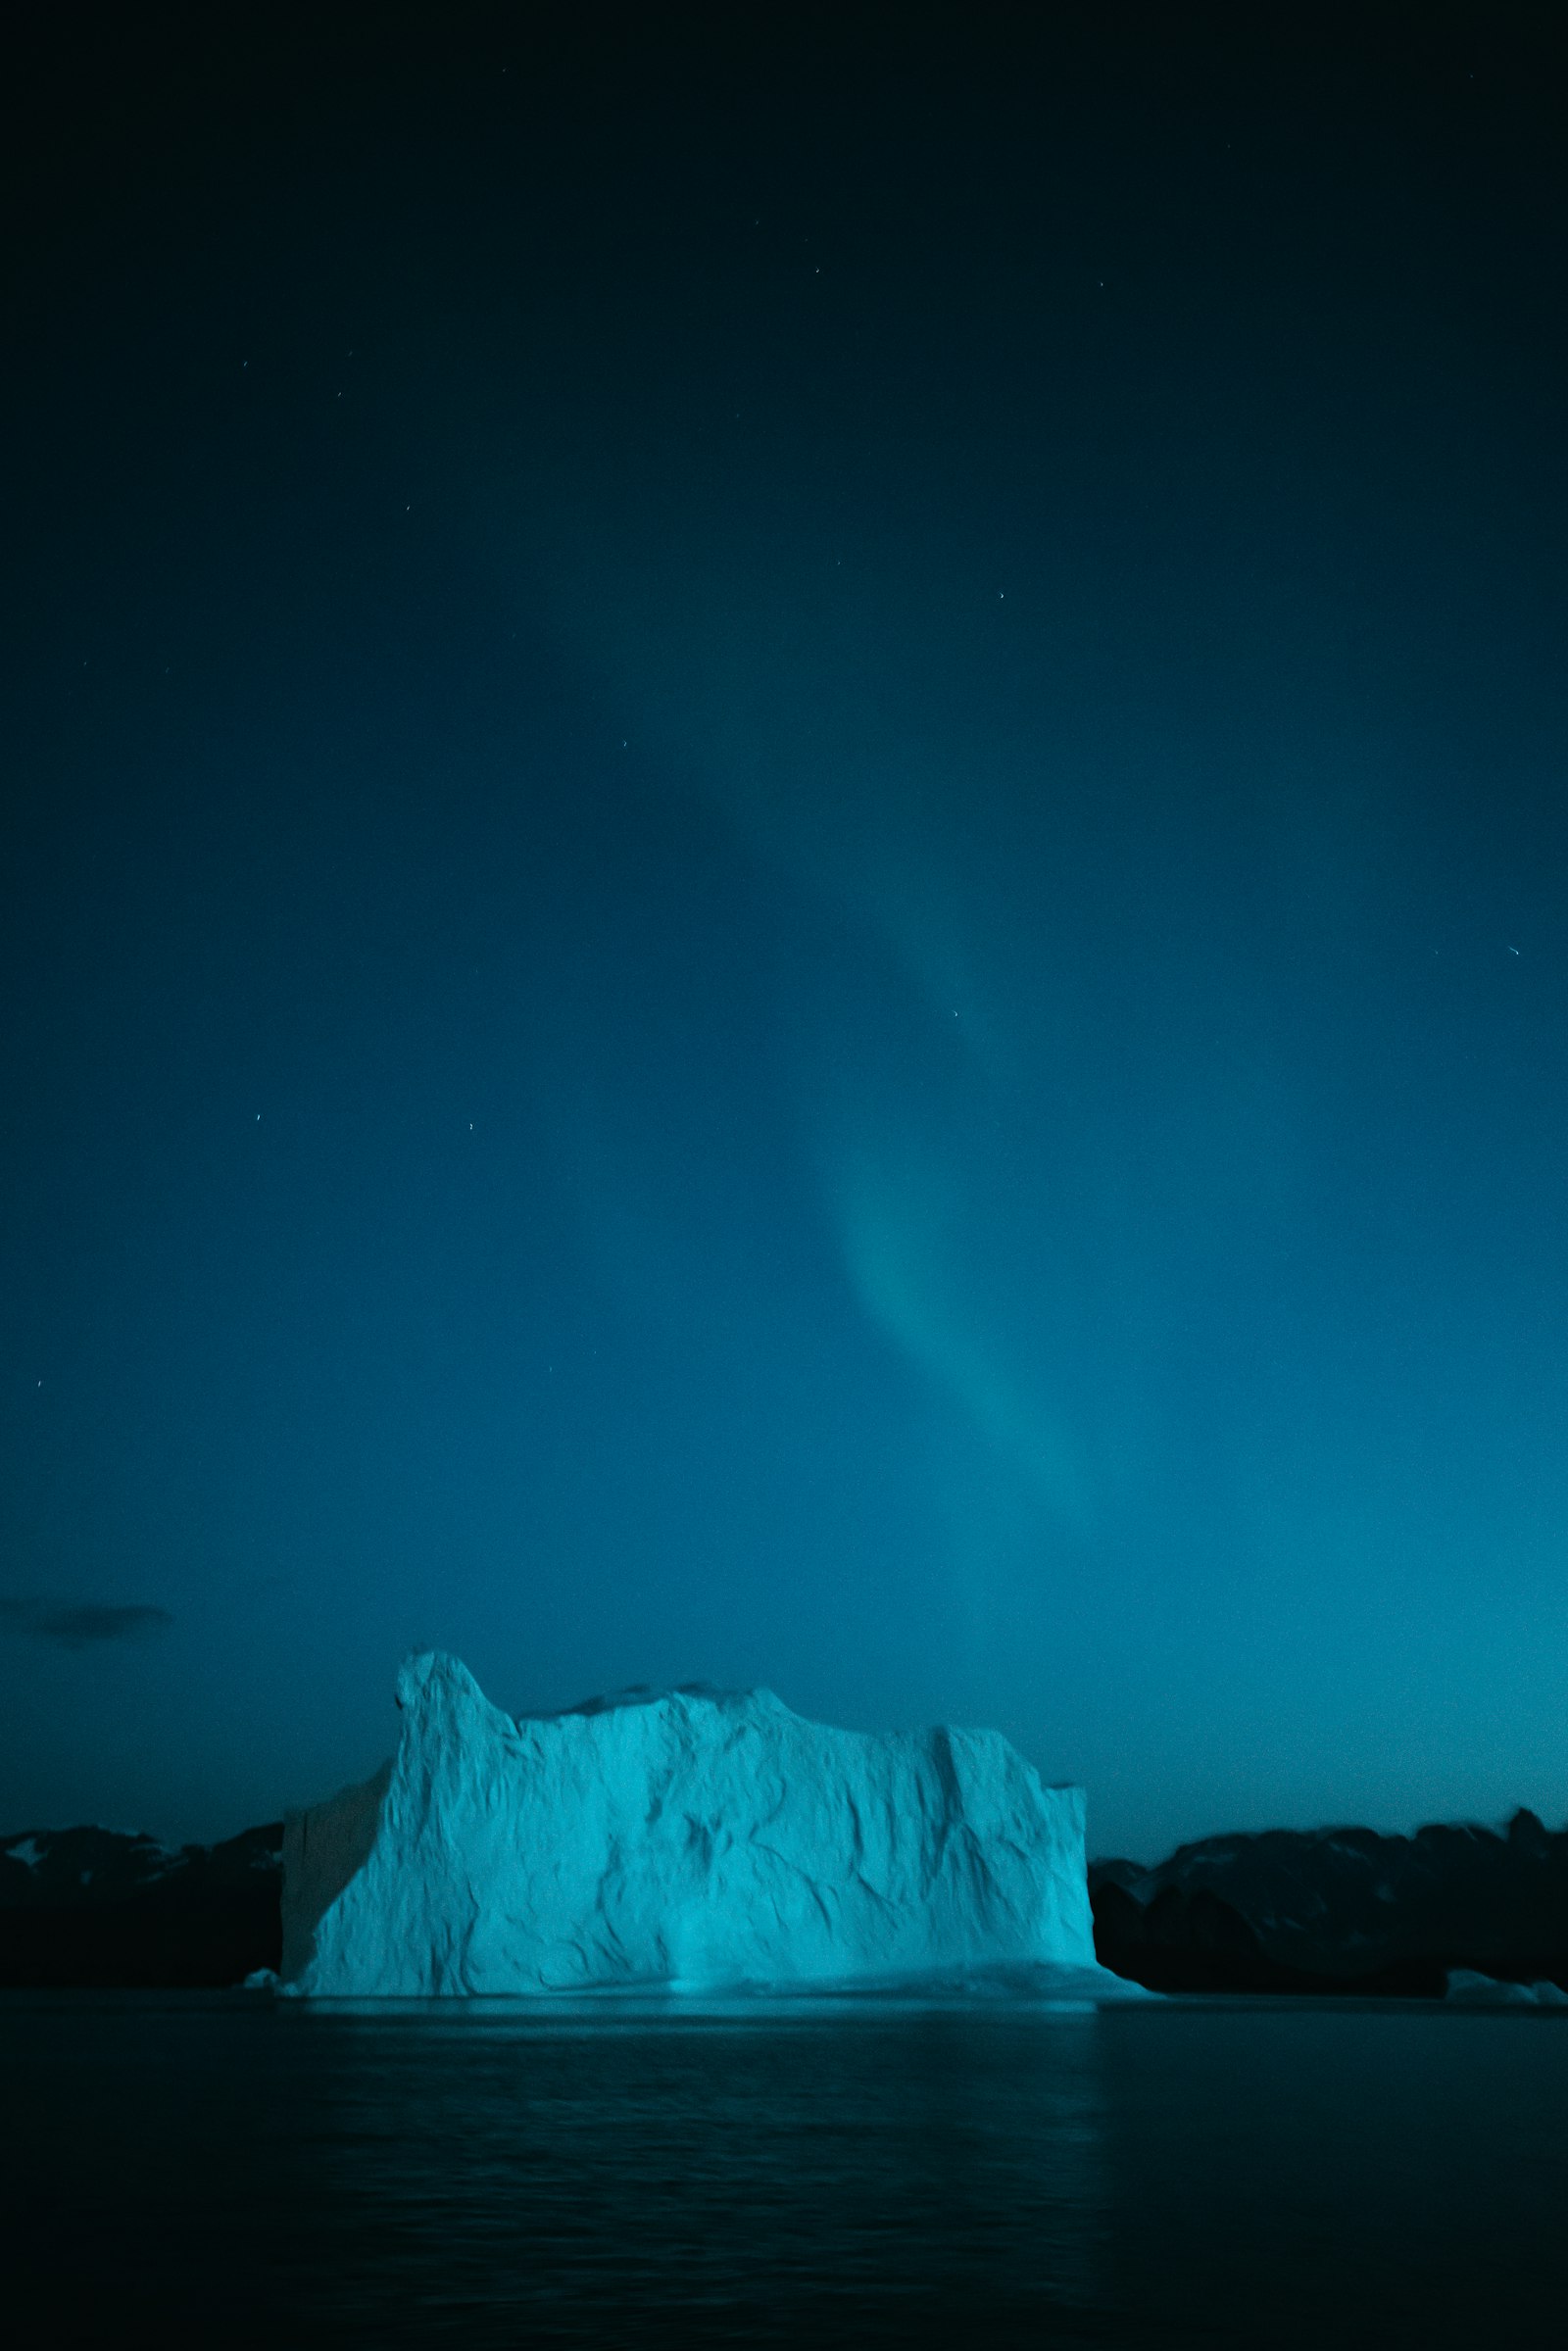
point(683, 1840)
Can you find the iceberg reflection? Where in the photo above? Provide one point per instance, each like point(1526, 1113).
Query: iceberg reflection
point(743, 2160)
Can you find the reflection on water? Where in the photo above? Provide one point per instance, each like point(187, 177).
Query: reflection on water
point(211, 2170)
point(737, 2167)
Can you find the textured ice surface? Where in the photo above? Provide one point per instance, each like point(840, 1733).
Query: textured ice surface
point(689, 1839)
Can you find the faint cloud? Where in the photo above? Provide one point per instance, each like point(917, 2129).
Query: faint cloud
point(82, 1625)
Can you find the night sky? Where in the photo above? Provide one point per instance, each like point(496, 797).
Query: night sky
point(785, 892)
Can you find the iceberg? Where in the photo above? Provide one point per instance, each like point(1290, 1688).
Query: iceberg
point(683, 1840)
point(1474, 1990)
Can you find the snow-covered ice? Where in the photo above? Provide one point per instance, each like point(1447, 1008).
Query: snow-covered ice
point(682, 1840)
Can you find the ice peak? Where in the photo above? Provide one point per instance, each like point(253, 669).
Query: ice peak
point(434, 1675)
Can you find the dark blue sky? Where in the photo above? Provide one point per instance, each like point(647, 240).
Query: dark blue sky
point(784, 892)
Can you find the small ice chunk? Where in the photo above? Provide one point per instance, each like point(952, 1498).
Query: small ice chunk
point(1475, 1990)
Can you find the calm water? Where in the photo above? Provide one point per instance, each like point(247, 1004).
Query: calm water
point(220, 2169)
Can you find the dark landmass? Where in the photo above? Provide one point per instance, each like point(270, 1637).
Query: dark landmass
point(1325, 1911)
point(1339, 1910)
point(92, 1906)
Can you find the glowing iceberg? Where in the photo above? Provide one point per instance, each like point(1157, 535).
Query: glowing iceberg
point(681, 1840)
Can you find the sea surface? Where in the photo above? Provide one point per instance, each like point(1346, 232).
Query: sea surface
point(220, 2169)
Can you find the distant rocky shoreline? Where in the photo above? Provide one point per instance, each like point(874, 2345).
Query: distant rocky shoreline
point(96, 1907)
point(1334, 1912)
point(1340, 1910)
